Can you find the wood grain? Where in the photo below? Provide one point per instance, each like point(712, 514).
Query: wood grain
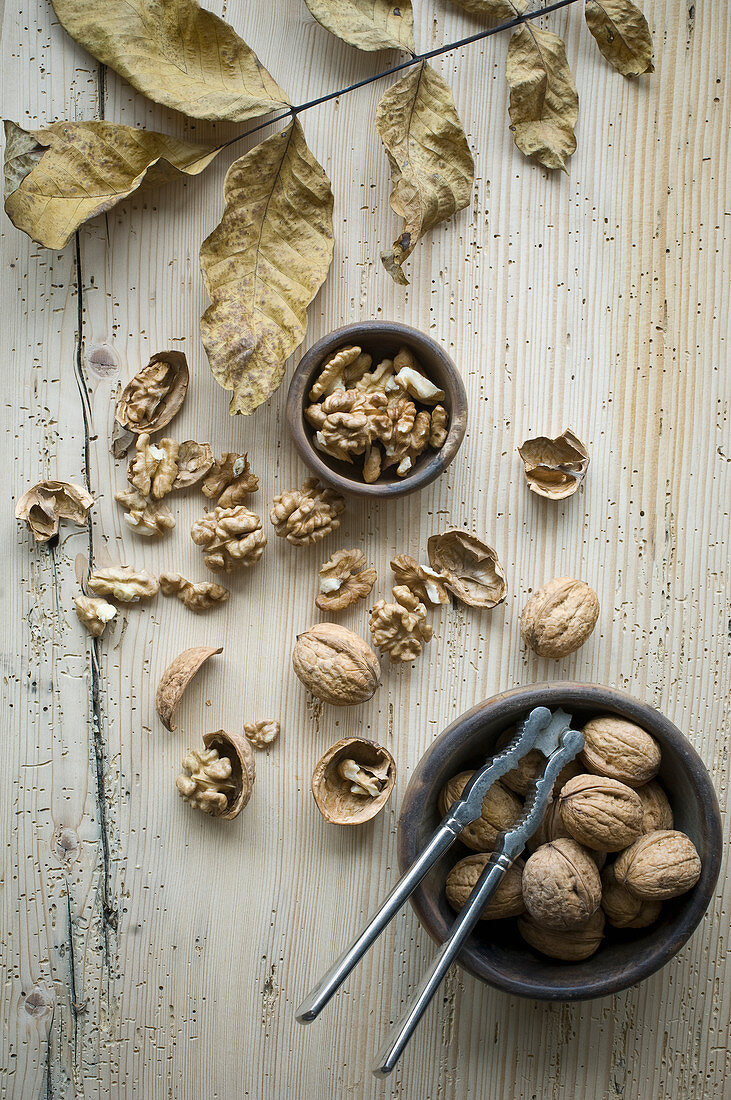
point(150, 952)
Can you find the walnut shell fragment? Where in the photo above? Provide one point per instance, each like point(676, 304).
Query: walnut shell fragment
point(572, 946)
point(353, 781)
point(344, 580)
point(336, 665)
point(507, 901)
point(471, 568)
point(196, 597)
point(194, 462)
point(176, 678)
point(262, 734)
point(219, 779)
point(561, 885)
point(659, 865)
point(559, 617)
point(94, 613)
point(123, 583)
point(43, 505)
point(152, 398)
point(554, 468)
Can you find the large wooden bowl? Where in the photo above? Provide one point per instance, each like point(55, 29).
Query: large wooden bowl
point(381, 339)
point(495, 953)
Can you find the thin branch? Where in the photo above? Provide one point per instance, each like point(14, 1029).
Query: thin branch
point(415, 59)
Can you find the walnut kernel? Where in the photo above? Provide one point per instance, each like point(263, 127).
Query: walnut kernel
point(219, 779)
point(400, 629)
point(123, 583)
point(152, 398)
point(425, 583)
point(94, 613)
point(196, 597)
point(230, 480)
point(262, 734)
point(230, 538)
point(304, 516)
point(147, 517)
point(344, 580)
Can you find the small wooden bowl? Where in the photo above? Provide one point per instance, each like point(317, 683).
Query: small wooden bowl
point(495, 953)
point(380, 339)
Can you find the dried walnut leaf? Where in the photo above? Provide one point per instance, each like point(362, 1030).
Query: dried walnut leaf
point(177, 54)
point(155, 395)
point(622, 35)
point(59, 177)
point(368, 24)
point(176, 678)
point(344, 580)
point(42, 506)
point(431, 164)
point(554, 468)
point(196, 597)
point(264, 264)
point(471, 568)
point(544, 104)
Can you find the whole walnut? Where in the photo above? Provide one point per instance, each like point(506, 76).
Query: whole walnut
point(500, 808)
point(620, 750)
point(572, 946)
point(336, 665)
point(656, 810)
point(561, 885)
point(529, 767)
point(550, 828)
point(624, 909)
point(659, 865)
point(559, 617)
point(601, 813)
point(507, 901)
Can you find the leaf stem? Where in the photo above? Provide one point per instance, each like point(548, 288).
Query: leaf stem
point(415, 59)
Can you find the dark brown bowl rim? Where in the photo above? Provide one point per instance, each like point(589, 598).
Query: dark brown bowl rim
point(427, 469)
point(566, 694)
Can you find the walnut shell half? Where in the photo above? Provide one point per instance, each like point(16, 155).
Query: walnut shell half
point(336, 665)
point(152, 398)
point(176, 678)
point(470, 567)
point(42, 506)
point(554, 468)
point(559, 617)
point(222, 786)
point(353, 781)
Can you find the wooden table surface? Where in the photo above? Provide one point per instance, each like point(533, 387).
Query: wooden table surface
point(150, 952)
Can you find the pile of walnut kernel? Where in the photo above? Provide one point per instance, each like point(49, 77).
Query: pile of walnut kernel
point(385, 415)
point(606, 850)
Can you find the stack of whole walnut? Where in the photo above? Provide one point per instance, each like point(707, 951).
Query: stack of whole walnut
point(606, 850)
point(387, 415)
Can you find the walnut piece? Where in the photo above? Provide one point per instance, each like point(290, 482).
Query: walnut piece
point(176, 678)
point(344, 580)
point(147, 517)
point(622, 908)
point(353, 781)
point(336, 665)
point(422, 581)
point(656, 810)
point(500, 809)
point(196, 597)
point(152, 398)
point(194, 462)
point(218, 779)
point(621, 750)
point(554, 468)
point(262, 734)
point(411, 379)
point(350, 422)
point(154, 468)
point(471, 568)
point(400, 629)
point(507, 901)
point(573, 946)
point(230, 538)
point(659, 865)
point(600, 813)
point(43, 505)
point(439, 428)
point(304, 516)
point(123, 583)
point(559, 617)
point(230, 480)
point(331, 373)
point(561, 885)
point(94, 612)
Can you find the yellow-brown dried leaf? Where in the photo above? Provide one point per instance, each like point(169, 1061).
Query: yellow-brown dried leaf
point(621, 32)
point(368, 24)
point(544, 103)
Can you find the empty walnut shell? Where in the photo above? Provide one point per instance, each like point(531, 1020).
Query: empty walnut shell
point(333, 783)
point(176, 678)
point(470, 567)
point(152, 398)
point(336, 665)
point(241, 755)
point(554, 468)
point(46, 503)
